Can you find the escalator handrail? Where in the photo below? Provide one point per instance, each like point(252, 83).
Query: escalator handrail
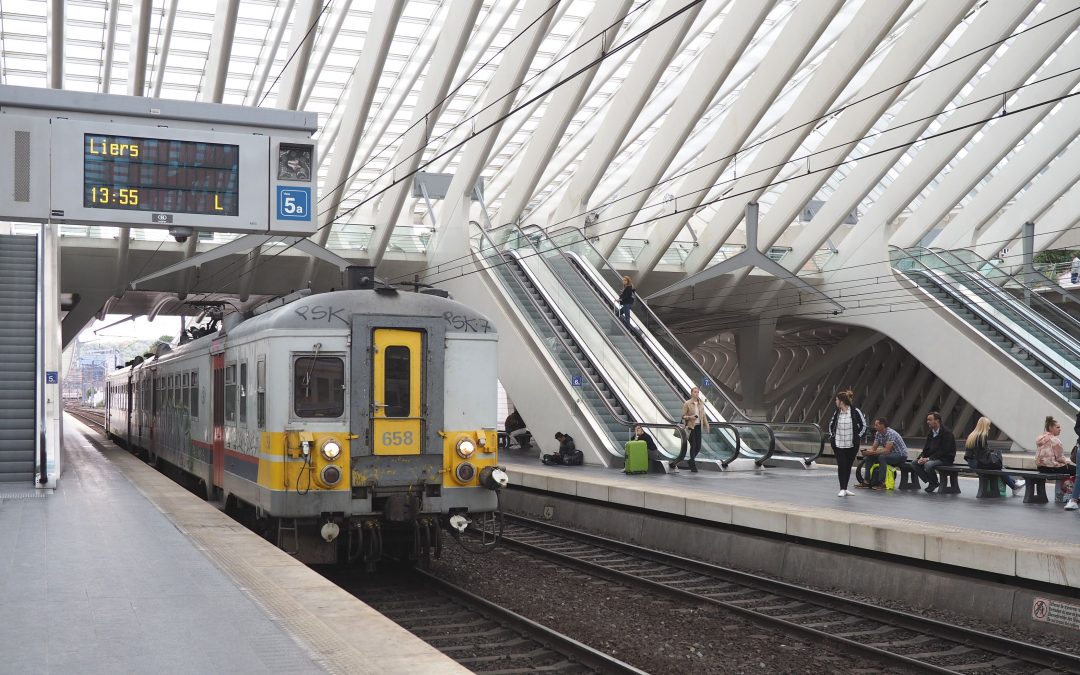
point(1043, 302)
point(595, 324)
point(759, 457)
point(584, 371)
point(742, 417)
point(1027, 313)
point(1004, 331)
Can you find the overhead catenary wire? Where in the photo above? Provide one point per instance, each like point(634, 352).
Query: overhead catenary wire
point(830, 167)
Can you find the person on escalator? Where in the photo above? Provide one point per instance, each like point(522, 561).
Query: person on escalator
point(626, 301)
point(568, 454)
point(846, 429)
point(693, 417)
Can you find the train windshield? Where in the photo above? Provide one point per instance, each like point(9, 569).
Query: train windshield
point(319, 386)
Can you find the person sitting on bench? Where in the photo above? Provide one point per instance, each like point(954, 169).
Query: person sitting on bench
point(978, 455)
point(516, 431)
point(940, 448)
point(888, 450)
point(1050, 454)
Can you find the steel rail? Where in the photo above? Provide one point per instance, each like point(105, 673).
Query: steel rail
point(966, 637)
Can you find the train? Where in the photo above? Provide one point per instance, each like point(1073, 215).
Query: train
point(347, 425)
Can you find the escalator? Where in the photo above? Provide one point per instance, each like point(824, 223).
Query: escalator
point(612, 406)
point(1042, 343)
point(662, 366)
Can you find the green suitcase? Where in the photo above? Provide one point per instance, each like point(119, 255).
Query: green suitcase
point(636, 457)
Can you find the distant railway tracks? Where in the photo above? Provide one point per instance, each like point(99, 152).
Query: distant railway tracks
point(860, 629)
point(90, 416)
point(478, 634)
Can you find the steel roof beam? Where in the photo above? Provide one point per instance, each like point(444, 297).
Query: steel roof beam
point(140, 43)
point(449, 48)
point(361, 92)
point(300, 44)
point(979, 219)
point(55, 39)
point(656, 53)
point(807, 23)
point(993, 22)
point(561, 107)
point(851, 50)
point(267, 57)
point(166, 44)
point(999, 136)
point(221, 41)
point(451, 240)
point(110, 46)
point(326, 45)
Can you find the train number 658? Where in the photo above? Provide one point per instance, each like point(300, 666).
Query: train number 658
point(397, 438)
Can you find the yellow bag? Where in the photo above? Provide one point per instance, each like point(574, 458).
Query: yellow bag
point(890, 477)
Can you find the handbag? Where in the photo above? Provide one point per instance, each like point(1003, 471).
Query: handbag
point(678, 430)
point(993, 457)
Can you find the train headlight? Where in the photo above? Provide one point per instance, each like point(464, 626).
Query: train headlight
point(465, 448)
point(465, 472)
point(331, 450)
point(330, 475)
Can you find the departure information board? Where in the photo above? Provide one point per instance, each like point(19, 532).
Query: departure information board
point(160, 175)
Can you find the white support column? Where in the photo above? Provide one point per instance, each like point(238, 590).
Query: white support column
point(451, 240)
point(1040, 150)
point(655, 54)
point(140, 42)
point(444, 62)
point(721, 56)
point(849, 53)
point(369, 67)
point(300, 44)
point(166, 43)
point(338, 13)
point(927, 30)
point(1000, 136)
point(561, 107)
point(52, 332)
point(806, 24)
point(993, 22)
point(217, 61)
point(266, 58)
point(55, 39)
point(110, 46)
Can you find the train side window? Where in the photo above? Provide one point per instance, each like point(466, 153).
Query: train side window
point(193, 394)
point(184, 384)
point(260, 391)
point(398, 379)
point(318, 386)
point(230, 392)
point(242, 393)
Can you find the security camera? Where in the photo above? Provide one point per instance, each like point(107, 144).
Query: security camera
point(181, 234)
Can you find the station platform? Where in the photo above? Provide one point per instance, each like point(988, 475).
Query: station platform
point(120, 570)
point(1039, 542)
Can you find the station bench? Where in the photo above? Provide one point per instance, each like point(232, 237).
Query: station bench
point(1034, 488)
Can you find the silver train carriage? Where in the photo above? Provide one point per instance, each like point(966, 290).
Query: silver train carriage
point(343, 423)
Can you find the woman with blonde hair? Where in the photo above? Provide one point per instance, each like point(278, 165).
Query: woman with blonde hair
point(979, 456)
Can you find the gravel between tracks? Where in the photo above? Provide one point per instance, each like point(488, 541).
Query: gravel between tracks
point(649, 632)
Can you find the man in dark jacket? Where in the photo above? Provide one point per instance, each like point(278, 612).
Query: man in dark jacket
point(939, 449)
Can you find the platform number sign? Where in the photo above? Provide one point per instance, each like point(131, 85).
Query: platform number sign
point(52, 377)
point(1068, 385)
point(575, 381)
point(293, 203)
point(706, 383)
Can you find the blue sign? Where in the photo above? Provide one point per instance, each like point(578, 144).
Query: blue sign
point(52, 377)
point(1068, 385)
point(575, 381)
point(706, 383)
point(293, 203)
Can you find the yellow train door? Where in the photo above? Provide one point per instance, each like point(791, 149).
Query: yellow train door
point(397, 401)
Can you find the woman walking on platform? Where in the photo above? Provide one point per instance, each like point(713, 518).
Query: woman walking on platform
point(845, 429)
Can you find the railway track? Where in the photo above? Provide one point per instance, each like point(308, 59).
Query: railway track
point(90, 416)
point(887, 636)
point(478, 634)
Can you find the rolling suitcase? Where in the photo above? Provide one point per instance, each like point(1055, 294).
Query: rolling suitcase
point(636, 457)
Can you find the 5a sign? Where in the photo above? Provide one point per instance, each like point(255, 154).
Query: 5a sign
point(293, 203)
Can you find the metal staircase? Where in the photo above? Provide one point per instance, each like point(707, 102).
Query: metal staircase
point(18, 357)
